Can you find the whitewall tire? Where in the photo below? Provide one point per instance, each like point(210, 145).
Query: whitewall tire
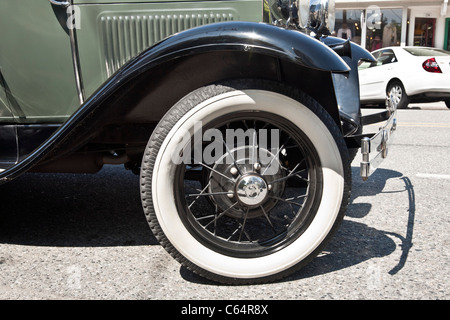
point(241, 222)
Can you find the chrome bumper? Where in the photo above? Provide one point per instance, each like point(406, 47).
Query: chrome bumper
point(375, 149)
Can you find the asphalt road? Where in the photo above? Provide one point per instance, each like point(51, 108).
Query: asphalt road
point(65, 236)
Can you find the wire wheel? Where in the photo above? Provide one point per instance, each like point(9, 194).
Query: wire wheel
point(258, 195)
point(252, 194)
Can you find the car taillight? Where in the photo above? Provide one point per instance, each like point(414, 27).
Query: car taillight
point(431, 65)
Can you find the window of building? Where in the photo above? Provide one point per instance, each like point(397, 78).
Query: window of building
point(348, 25)
point(424, 32)
point(372, 29)
point(384, 29)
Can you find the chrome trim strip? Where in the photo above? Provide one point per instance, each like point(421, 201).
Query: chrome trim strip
point(60, 3)
point(74, 51)
point(374, 150)
point(76, 64)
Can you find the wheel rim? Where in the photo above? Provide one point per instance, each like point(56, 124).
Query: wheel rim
point(395, 94)
point(246, 207)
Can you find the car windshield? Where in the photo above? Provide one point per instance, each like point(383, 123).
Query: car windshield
point(419, 52)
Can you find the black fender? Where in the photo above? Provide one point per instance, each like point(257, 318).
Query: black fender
point(242, 36)
point(126, 97)
point(347, 86)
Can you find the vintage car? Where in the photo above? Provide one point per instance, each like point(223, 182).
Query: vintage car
point(241, 118)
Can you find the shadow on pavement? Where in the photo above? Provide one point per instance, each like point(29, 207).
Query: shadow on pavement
point(355, 242)
point(76, 210)
point(105, 210)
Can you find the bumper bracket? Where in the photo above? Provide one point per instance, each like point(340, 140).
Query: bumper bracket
point(375, 149)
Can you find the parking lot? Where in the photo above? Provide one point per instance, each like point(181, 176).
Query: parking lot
point(65, 236)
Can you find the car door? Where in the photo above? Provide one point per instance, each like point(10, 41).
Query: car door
point(8, 145)
point(37, 81)
point(374, 77)
point(36, 63)
point(5, 112)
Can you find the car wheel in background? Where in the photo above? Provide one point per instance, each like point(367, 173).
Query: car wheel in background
point(396, 92)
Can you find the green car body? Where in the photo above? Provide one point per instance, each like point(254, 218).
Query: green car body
point(35, 51)
point(85, 83)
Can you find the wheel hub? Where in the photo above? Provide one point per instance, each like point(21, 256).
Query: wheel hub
point(251, 190)
point(245, 183)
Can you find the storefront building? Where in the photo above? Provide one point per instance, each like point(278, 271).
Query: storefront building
point(383, 23)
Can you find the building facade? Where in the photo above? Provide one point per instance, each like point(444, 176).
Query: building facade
point(382, 23)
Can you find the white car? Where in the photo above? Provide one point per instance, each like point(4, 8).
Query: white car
point(406, 74)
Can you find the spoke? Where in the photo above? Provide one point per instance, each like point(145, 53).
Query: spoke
point(201, 192)
point(220, 215)
point(246, 235)
point(291, 147)
point(291, 173)
point(243, 226)
point(233, 233)
point(294, 213)
point(297, 197)
point(267, 217)
point(216, 179)
point(287, 201)
point(205, 217)
point(232, 157)
point(255, 147)
point(216, 212)
point(265, 125)
point(300, 177)
point(219, 173)
point(208, 194)
point(276, 156)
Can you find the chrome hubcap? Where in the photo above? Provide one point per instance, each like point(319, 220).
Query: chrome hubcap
point(395, 95)
point(251, 190)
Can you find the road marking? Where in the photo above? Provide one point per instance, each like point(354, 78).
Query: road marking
point(433, 176)
point(418, 124)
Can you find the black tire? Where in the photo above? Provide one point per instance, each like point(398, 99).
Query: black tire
point(240, 225)
point(447, 103)
point(396, 92)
